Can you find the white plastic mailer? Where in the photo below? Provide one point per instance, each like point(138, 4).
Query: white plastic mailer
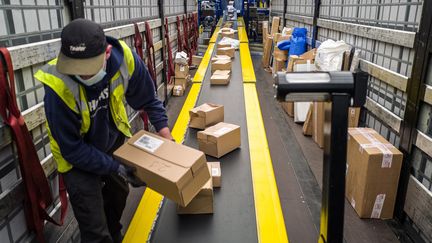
point(329, 55)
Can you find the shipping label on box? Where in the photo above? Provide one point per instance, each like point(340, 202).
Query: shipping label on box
point(181, 71)
point(174, 170)
point(216, 173)
point(202, 202)
point(373, 169)
point(206, 115)
point(219, 139)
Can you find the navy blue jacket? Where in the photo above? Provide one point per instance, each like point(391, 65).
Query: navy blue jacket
point(89, 153)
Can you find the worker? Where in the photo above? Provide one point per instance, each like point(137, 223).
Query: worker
point(87, 88)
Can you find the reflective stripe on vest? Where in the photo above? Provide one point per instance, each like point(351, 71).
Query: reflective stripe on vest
point(73, 95)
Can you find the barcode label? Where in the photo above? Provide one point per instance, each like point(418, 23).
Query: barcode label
point(148, 143)
point(378, 206)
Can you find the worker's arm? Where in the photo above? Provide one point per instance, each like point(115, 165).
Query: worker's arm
point(65, 127)
point(141, 94)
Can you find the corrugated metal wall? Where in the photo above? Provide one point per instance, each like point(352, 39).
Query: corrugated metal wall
point(33, 21)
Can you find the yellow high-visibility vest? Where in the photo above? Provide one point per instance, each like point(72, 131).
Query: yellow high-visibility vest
point(73, 95)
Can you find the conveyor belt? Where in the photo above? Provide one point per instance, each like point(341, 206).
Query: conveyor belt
point(234, 211)
point(247, 207)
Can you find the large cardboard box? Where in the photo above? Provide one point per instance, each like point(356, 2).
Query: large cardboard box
point(174, 170)
point(221, 65)
point(373, 170)
point(228, 51)
point(203, 201)
point(353, 116)
point(219, 139)
point(288, 107)
point(216, 174)
point(182, 81)
point(206, 115)
point(181, 71)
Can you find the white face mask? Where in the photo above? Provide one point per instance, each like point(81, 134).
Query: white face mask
point(93, 80)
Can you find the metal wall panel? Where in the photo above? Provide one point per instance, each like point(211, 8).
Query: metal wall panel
point(277, 6)
point(27, 21)
point(110, 13)
point(300, 7)
point(191, 6)
point(393, 14)
point(173, 7)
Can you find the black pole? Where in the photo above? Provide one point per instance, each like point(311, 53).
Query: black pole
point(315, 22)
point(185, 6)
point(334, 169)
point(414, 96)
point(162, 34)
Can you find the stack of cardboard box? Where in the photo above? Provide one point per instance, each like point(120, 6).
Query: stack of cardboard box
point(202, 202)
point(221, 70)
point(182, 79)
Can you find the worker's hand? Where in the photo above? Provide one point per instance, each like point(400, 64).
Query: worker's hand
point(128, 174)
point(166, 133)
